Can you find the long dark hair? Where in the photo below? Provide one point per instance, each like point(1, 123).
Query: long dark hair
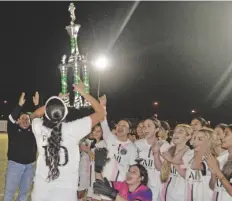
point(203, 122)
point(99, 125)
point(55, 111)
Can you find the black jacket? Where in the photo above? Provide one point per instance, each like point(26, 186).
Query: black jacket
point(22, 146)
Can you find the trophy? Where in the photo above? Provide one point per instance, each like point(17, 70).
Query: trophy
point(77, 62)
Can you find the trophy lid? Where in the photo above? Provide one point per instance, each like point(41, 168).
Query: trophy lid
point(73, 28)
point(71, 9)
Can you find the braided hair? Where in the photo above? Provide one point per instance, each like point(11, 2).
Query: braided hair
point(55, 113)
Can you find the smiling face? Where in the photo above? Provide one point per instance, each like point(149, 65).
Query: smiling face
point(97, 132)
point(219, 135)
point(196, 125)
point(24, 121)
point(133, 176)
point(198, 139)
point(180, 135)
point(139, 130)
point(227, 140)
point(149, 128)
point(122, 128)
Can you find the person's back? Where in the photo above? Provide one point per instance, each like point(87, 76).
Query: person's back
point(68, 155)
point(57, 142)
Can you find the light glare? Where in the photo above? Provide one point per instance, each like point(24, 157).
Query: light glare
point(101, 62)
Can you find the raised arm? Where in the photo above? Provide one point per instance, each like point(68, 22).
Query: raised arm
point(198, 157)
point(38, 113)
point(227, 185)
point(214, 166)
point(106, 130)
point(157, 155)
point(212, 181)
point(13, 117)
point(180, 161)
point(104, 124)
point(99, 113)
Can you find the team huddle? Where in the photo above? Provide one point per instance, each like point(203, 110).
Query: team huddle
point(85, 159)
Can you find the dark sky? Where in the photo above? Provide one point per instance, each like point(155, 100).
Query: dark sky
point(171, 52)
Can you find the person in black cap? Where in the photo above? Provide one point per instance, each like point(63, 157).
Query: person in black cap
point(22, 151)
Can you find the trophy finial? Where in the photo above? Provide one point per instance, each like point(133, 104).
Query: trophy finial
point(71, 9)
point(63, 59)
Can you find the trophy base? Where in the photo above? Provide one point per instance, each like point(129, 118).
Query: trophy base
point(86, 104)
point(66, 101)
point(78, 103)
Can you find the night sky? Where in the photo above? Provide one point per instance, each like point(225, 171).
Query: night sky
point(171, 52)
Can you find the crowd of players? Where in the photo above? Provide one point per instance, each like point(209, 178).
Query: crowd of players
point(85, 159)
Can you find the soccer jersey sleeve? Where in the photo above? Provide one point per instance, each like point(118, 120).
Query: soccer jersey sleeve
point(165, 146)
point(133, 154)
point(84, 172)
point(144, 195)
point(118, 185)
point(107, 134)
point(36, 126)
point(79, 128)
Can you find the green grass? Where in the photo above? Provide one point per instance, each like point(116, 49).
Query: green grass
point(3, 164)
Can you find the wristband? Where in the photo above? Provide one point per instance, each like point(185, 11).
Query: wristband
point(114, 194)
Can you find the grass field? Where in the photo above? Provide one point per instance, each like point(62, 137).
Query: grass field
point(3, 164)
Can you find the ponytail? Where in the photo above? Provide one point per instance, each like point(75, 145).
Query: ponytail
point(166, 166)
point(53, 152)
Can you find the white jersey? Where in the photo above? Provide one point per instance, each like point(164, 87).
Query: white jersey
point(220, 193)
point(145, 153)
point(173, 189)
point(197, 184)
point(84, 171)
point(91, 194)
point(121, 155)
point(72, 133)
